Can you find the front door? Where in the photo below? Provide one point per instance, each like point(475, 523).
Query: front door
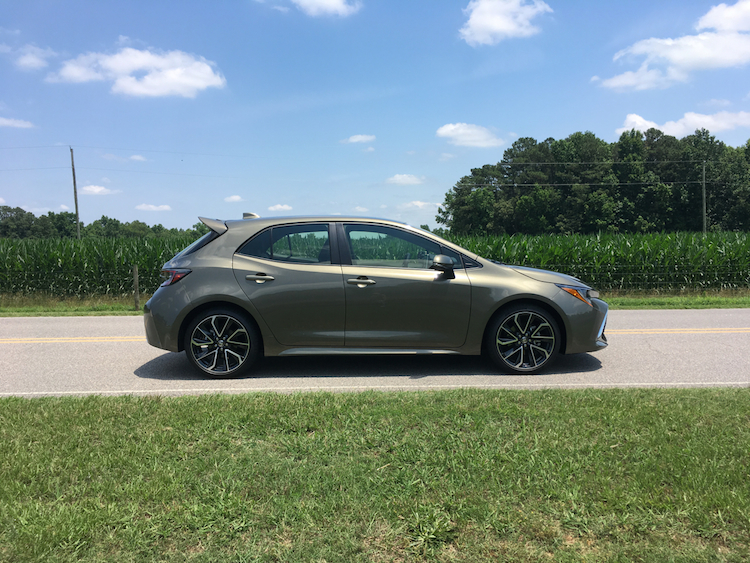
point(394, 299)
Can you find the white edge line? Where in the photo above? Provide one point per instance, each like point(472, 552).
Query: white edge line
point(376, 387)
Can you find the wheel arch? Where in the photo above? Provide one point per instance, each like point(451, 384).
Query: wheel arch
point(528, 301)
point(223, 304)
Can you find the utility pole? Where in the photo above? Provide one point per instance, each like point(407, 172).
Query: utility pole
point(75, 193)
point(704, 197)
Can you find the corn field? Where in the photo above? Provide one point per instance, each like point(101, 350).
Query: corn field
point(93, 266)
point(662, 262)
point(668, 262)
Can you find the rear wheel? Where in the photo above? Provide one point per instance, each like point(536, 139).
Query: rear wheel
point(222, 343)
point(523, 339)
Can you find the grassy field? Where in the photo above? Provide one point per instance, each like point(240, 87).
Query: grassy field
point(465, 475)
point(41, 305)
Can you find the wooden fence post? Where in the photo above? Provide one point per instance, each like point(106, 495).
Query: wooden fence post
point(135, 288)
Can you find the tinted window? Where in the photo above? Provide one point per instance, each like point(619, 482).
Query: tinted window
point(372, 245)
point(198, 244)
point(304, 244)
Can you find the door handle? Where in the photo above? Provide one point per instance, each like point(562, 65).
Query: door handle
point(361, 281)
point(259, 278)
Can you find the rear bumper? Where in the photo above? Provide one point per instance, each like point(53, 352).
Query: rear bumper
point(152, 335)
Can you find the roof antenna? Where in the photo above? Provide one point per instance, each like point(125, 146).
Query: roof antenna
point(247, 215)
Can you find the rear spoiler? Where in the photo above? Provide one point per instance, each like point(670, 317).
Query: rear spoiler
point(219, 227)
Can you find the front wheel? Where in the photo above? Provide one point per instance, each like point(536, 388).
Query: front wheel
point(222, 343)
point(523, 339)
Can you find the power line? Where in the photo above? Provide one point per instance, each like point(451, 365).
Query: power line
point(124, 149)
point(542, 184)
point(162, 173)
point(118, 170)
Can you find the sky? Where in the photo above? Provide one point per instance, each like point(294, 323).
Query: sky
point(376, 108)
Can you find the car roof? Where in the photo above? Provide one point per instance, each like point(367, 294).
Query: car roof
point(314, 218)
point(260, 223)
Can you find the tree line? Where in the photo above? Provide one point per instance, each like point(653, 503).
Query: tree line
point(644, 182)
point(17, 223)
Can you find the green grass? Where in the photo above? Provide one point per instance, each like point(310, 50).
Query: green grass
point(465, 475)
point(732, 299)
point(42, 305)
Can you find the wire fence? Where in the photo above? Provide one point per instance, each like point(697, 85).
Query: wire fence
point(627, 278)
point(122, 281)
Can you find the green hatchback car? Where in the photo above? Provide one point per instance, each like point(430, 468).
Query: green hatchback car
point(289, 286)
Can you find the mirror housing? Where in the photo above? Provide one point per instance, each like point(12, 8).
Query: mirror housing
point(444, 265)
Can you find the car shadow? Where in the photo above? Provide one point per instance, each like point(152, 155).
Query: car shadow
point(176, 367)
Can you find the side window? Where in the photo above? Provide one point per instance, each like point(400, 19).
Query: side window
point(303, 244)
point(372, 245)
point(453, 255)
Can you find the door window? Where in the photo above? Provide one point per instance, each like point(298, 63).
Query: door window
point(302, 244)
point(372, 245)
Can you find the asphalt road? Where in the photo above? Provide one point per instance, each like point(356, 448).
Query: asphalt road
point(109, 356)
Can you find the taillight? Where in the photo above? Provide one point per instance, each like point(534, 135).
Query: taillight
point(173, 276)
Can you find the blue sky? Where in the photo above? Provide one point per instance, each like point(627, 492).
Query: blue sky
point(363, 107)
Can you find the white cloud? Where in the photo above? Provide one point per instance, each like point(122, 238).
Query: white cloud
point(727, 18)
point(469, 135)
point(233, 199)
point(446, 156)
point(721, 121)
point(64, 207)
point(359, 209)
point(2, 201)
point(149, 207)
point(97, 190)
point(280, 207)
point(31, 57)
point(143, 73)
point(491, 21)
point(6, 122)
point(418, 205)
point(404, 180)
point(6, 31)
point(667, 62)
point(114, 157)
point(717, 103)
point(328, 7)
point(369, 149)
point(359, 139)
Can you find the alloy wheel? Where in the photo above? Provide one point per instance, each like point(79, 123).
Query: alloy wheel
point(220, 344)
point(525, 341)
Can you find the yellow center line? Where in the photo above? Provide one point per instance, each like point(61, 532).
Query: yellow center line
point(72, 339)
point(680, 331)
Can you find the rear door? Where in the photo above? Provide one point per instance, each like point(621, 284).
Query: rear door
point(393, 298)
point(289, 274)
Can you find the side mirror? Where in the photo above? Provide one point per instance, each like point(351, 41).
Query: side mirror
point(444, 265)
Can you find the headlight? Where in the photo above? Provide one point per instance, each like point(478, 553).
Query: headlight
point(583, 293)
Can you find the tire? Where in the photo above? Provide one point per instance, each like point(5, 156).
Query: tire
point(222, 343)
point(523, 339)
